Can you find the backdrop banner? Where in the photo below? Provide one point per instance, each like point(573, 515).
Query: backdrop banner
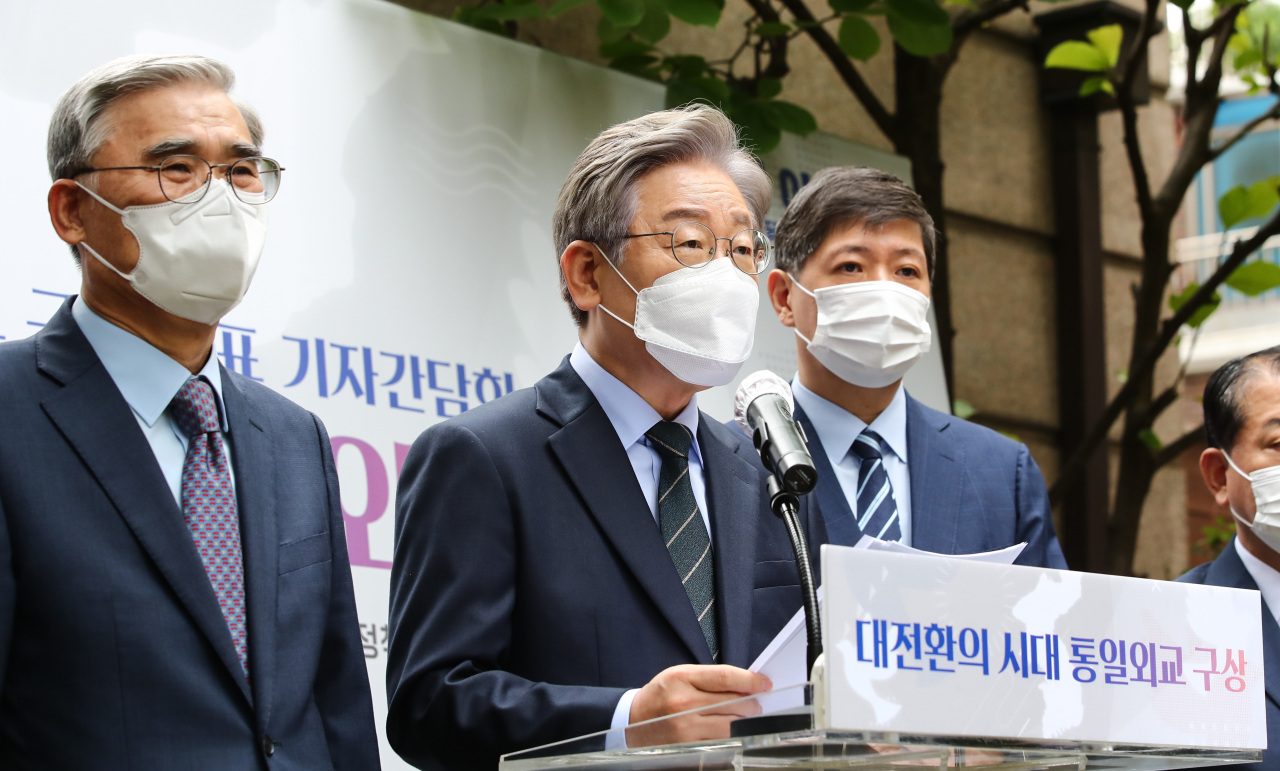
point(409, 273)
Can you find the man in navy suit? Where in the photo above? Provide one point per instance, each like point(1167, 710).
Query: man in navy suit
point(174, 585)
point(1241, 467)
point(855, 253)
point(593, 551)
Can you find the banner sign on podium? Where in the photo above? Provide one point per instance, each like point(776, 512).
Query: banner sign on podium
point(924, 645)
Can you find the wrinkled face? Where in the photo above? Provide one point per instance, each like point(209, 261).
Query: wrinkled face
point(145, 128)
point(852, 253)
point(669, 195)
point(1258, 442)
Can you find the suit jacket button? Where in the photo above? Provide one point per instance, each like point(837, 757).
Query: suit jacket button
point(268, 746)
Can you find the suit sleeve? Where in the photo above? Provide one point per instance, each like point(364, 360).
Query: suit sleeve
point(1035, 519)
point(452, 701)
point(342, 685)
point(8, 596)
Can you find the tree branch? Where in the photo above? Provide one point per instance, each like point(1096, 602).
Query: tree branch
point(1245, 130)
point(843, 66)
point(1146, 363)
point(968, 21)
point(1136, 54)
point(1171, 451)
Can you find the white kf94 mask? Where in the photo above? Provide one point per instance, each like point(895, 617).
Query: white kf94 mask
point(869, 333)
point(1266, 498)
point(699, 323)
point(195, 260)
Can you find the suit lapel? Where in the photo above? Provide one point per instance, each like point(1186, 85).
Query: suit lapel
point(97, 422)
point(252, 459)
point(837, 514)
point(597, 465)
point(1228, 570)
point(733, 496)
point(935, 466)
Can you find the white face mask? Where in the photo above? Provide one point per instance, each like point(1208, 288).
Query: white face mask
point(195, 260)
point(699, 323)
point(869, 333)
point(1266, 498)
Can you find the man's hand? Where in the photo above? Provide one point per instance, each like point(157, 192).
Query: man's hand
point(693, 686)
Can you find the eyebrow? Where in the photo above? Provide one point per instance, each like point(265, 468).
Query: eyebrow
point(860, 249)
point(167, 147)
point(695, 214)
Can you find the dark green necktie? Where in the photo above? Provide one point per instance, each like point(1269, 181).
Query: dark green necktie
point(682, 527)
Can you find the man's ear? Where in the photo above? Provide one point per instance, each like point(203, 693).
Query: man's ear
point(779, 288)
point(65, 200)
point(578, 264)
point(1213, 467)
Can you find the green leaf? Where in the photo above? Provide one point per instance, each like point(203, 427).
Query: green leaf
point(639, 64)
point(1107, 40)
point(962, 409)
point(926, 13)
point(686, 66)
point(772, 29)
point(1150, 439)
point(1183, 4)
point(858, 38)
point(1077, 55)
point(789, 117)
point(1239, 203)
point(1202, 313)
point(622, 13)
point(1247, 58)
point(624, 47)
point(758, 130)
point(920, 39)
point(1254, 278)
point(1122, 376)
point(656, 22)
point(564, 6)
point(681, 91)
point(850, 6)
point(471, 17)
point(1095, 84)
point(608, 32)
point(768, 88)
point(703, 13)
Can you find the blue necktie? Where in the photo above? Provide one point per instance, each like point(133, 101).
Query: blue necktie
point(682, 527)
point(877, 510)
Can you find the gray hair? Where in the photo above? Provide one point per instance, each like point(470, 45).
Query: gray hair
point(601, 195)
point(847, 195)
point(78, 128)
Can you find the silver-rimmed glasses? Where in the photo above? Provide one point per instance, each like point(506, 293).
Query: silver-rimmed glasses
point(186, 178)
point(694, 245)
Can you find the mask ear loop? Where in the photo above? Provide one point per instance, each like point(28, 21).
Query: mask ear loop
point(90, 249)
point(1235, 513)
point(796, 281)
point(632, 327)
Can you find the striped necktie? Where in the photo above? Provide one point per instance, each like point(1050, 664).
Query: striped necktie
point(209, 505)
point(682, 527)
point(877, 510)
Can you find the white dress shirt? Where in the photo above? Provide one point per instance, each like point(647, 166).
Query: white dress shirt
point(837, 428)
point(1265, 576)
point(148, 379)
point(631, 416)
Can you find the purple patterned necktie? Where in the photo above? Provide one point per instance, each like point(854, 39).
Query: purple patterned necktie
point(209, 505)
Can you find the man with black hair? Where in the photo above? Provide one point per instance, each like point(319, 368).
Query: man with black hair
point(1242, 470)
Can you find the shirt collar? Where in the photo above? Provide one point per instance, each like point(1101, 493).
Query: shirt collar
point(630, 415)
point(146, 376)
point(839, 427)
point(1265, 576)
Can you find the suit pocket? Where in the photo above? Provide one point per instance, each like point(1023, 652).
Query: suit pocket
point(776, 573)
point(298, 554)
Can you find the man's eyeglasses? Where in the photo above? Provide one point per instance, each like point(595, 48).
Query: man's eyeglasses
point(694, 245)
point(186, 178)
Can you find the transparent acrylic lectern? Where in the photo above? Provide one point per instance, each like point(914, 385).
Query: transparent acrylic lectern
point(785, 744)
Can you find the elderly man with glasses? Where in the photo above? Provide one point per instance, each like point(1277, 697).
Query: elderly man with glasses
point(593, 552)
point(174, 584)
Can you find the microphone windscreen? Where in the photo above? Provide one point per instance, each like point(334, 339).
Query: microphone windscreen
point(755, 385)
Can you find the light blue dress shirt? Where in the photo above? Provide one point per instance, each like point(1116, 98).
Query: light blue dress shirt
point(148, 379)
point(837, 428)
point(631, 416)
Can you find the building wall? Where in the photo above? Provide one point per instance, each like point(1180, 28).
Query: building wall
point(995, 142)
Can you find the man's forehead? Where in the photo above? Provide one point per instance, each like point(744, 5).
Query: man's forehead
point(1259, 399)
point(175, 118)
point(854, 231)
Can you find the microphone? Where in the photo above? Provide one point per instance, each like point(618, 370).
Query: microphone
point(762, 407)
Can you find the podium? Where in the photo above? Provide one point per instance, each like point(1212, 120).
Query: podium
point(812, 749)
point(945, 663)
